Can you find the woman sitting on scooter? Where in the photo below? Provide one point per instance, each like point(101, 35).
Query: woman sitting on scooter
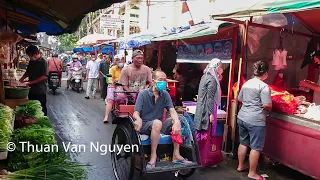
point(115, 72)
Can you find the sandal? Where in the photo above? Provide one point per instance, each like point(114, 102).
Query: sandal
point(151, 165)
point(260, 178)
point(246, 169)
point(182, 162)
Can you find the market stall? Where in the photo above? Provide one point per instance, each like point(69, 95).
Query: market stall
point(199, 45)
point(287, 31)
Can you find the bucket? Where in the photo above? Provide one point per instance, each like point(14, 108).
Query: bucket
point(16, 92)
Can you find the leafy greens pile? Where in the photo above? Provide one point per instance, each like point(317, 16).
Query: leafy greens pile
point(6, 129)
point(28, 113)
point(60, 169)
point(41, 165)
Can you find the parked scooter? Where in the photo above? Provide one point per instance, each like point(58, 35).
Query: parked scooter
point(76, 80)
point(54, 82)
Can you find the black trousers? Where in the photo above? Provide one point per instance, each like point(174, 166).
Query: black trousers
point(43, 100)
point(103, 87)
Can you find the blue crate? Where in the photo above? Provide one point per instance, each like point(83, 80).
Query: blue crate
point(220, 129)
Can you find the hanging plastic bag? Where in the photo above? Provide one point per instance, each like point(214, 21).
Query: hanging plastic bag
point(279, 82)
point(255, 33)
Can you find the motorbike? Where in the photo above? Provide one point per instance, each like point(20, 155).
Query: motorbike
point(54, 83)
point(76, 81)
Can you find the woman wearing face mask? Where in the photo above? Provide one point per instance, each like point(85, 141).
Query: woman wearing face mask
point(255, 96)
point(209, 98)
point(115, 71)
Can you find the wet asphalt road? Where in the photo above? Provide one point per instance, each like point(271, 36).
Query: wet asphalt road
point(79, 121)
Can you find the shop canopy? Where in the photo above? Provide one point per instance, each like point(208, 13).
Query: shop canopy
point(303, 10)
point(92, 39)
point(192, 32)
point(53, 17)
point(135, 40)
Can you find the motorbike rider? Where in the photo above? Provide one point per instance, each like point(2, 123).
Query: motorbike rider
point(73, 64)
point(55, 66)
point(115, 72)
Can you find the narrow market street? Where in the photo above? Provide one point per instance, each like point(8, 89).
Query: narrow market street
point(79, 121)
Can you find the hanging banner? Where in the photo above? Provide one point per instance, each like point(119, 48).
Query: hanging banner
point(205, 52)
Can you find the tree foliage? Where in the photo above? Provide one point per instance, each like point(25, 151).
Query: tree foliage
point(67, 42)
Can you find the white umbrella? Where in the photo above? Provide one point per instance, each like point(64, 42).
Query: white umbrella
point(95, 38)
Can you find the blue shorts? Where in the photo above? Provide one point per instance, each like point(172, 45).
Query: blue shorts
point(252, 136)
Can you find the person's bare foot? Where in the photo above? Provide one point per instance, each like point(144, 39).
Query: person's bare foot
point(105, 120)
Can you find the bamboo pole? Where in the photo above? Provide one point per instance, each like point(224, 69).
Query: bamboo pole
point(231, 77)
point(159, 56)
point(2, 97)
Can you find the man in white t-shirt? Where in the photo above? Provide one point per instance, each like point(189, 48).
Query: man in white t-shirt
point(92, 77)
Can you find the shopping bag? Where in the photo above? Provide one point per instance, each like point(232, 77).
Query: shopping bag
point(210, 148)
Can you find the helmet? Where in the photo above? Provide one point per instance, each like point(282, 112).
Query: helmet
point(74, 56)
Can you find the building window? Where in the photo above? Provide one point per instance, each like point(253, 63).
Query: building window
point(135, 7)
point(134, 15)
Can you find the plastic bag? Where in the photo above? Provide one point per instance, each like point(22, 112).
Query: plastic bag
point(279, 82)
point(255, 33)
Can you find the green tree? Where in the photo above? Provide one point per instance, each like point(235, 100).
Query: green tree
point(67, 42)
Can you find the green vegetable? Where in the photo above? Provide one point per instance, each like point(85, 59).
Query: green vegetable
point(32, 108)
point(60, 169)
point(26, 113)
point(35, 135)
point(43, 122)
point(6, 129)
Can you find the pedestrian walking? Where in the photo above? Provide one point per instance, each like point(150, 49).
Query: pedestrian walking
point(255, 96)
point(92, 77)
point(37, 71)
point(209, 98)
point(104, 70)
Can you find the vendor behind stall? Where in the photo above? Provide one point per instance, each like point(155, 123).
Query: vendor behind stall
point(312, 85)
point(37, 71)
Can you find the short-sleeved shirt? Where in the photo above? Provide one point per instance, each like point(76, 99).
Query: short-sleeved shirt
point(54, 64)
point(35, 70)
point(93, 68)
point(135, 78)
point(253, 95)
point(104, 67)
point(149, 109)
point(75, 64)
point(115, 71)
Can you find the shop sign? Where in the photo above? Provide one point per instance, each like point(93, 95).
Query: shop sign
point(205, 52)
point(110, 21)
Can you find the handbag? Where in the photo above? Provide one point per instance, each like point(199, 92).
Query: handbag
point(210, 149)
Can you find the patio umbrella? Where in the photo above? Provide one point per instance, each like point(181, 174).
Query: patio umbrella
point(95, 38)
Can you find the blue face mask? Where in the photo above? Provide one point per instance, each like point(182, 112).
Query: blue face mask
point(120, 65)
point(161, 85)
